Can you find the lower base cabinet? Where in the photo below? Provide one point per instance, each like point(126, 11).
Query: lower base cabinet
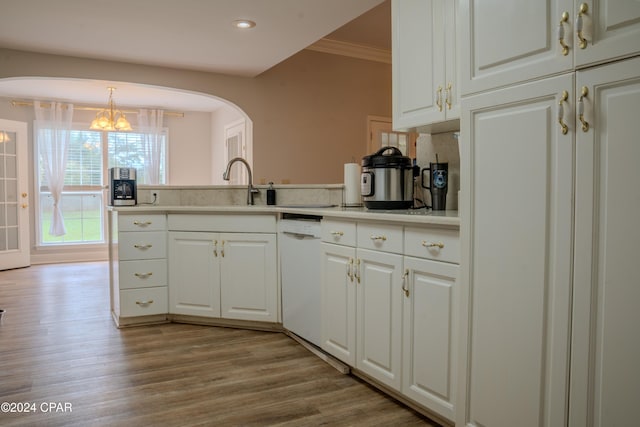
point(429, 325)
point(229, 275)
point(362, 310)
point(392, 316)
point(194, 274)
point(379, 316)
point(339, 302)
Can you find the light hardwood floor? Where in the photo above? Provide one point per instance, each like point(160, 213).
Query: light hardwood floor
point(59, 345)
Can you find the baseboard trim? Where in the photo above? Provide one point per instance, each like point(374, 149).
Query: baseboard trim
point(332, 361)
point(230, 323)
point(403, 399)
point(50, 256)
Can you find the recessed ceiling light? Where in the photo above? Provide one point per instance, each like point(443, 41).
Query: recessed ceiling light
point(244, 24)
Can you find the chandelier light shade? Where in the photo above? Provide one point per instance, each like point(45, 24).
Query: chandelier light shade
point(4, 137)
point(110, 118)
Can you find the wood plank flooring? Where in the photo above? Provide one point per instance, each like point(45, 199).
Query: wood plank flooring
point(58, 345)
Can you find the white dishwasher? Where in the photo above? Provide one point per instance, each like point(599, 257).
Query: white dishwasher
point(299, 241)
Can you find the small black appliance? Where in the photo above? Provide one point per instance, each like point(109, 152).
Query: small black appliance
point(122, 187)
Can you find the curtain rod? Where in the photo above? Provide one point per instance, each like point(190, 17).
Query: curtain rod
point(15, 103)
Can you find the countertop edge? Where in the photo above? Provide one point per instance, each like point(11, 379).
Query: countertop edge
point(444, 218)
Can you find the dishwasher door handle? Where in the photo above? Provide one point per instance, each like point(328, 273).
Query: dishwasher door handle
point(299, 235)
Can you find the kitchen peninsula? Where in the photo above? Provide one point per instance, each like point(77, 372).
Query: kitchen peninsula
point(388, 279)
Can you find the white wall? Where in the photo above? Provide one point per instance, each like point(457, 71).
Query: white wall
point(190, 148)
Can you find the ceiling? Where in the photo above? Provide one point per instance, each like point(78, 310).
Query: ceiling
point(190, 34)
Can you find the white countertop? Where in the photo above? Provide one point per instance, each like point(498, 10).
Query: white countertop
point(406, 216)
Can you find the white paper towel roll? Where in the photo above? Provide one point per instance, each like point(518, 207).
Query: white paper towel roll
point(352, 184)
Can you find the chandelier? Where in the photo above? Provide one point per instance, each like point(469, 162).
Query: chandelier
point(110, 118)
point(4, 137)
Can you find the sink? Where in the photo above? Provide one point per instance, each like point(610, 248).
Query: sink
point(309, 206)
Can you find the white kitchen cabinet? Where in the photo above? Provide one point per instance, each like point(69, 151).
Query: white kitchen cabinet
point(611, 30)
point(339, 301)
point(379, 316)
point(249, 277)
point(430, 317)
point(194, 273)
point(429, 347)
point(224, 265)
point(503, 43)
point(517, 243)
point(228, 275)
point(138, 267)
point(605, 375)
point(507, 42)
point(424, 65)
point(362, 301)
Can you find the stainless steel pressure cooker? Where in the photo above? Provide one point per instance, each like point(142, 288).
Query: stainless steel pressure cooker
point(387, 180)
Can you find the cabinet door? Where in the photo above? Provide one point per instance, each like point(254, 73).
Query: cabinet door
point(249, 281)
point(339, 302)
point(429, 328)
point(452, 67)
point(605, 376)
point(194, 274)
point(511, 41)
point(517, 252)
point(418, 62)
point(611, 30)
point(379, 316)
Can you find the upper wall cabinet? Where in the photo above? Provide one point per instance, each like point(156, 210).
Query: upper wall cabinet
point(513, 41)
point(425, 79)
point(503, 43)
point(606, 30)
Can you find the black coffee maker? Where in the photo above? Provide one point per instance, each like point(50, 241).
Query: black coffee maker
point(438, 183)
point(122, 187)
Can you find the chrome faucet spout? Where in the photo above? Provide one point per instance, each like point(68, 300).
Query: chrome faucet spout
point(250, 190)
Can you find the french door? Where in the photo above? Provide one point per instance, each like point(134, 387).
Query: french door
point(14, 198)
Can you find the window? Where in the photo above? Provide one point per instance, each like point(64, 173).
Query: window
point(90, 154)
point(128, 150)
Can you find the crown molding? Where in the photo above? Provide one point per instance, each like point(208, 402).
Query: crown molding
point(353, 50)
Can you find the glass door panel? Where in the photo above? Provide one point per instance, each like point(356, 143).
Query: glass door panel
point(14, 201)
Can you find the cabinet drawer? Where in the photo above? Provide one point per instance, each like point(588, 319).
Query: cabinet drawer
point(143, 274)
point(380, 237)
point(339, 232)
point(142, 245)
point(144, 302)
point(139, 222)
point(433, 243)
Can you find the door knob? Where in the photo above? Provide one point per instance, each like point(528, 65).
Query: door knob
point(24, 195)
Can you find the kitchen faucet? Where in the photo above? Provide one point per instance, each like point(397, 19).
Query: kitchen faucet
point(250, 190)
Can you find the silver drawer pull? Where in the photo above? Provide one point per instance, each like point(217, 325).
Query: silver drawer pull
point(144, 302)
point(337, 233)
point(143, 275)
point(142, 224)
point(432, 244)
point(376, 237)
point(147, 246)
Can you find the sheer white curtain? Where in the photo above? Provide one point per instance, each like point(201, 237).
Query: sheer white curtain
point(53, 135)
point(150, 124)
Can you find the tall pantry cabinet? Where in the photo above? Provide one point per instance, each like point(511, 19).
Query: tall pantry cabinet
point(549, 191)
